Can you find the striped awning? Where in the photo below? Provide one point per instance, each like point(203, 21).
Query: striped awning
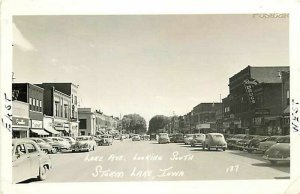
point(51, 130)
point(39, 131)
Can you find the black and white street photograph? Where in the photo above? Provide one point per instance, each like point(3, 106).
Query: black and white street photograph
point(118, 98)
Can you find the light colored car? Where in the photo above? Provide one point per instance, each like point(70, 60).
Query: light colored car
point(71, 140)
point(106, 139)
point(187, 138)
point(263, 146)
point(84, 143)
point(46, 147)
point(28, 161)
point(59, 143)
point(136, 137)
point(279, 151)
point(198, 139)
point(215, 140)
point(163, 138)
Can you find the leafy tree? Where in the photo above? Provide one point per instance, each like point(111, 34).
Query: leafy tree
point(134, 123)
point(158, 122)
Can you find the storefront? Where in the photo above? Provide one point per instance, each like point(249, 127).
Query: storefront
point(20, 127)
point(48, 126)
point(62, 126)
point(20, 119)
point(37, 130)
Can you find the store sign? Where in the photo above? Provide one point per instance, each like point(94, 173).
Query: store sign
point(20, 121)
point(262, 111)
point(36, 124)
point(249, 85)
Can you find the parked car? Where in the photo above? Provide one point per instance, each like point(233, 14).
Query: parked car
point(241, 144)
point(198, 139)
point(279, 151)
point(172, 138)
point(84, 143)
point(215, 140)
point(106, 140)
point(98, 140)
point(187, 138)
point(136, 137)
point(46, 147)
point(71, 140)
point(231, 142)
point(146, 137)
point(263, 146)
point(178, 138)
point(153, 136)
point(228, 136)
point(58, 143)
point(163, 138)
point(28, 161)
point(254, 143)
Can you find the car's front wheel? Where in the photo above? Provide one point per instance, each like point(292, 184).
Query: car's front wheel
point(224, 149)
point(43, 173)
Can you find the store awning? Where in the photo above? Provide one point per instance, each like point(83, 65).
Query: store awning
point(19, 129)
point(39, 131)
point(61, 129)
point(51, 130)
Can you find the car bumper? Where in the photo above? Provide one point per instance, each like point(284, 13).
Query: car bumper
point(218, 146)
point(276, 159)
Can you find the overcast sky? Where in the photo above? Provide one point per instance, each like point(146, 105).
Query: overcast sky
point(148, 65)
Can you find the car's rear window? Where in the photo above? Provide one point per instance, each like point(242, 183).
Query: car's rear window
point(283, 140)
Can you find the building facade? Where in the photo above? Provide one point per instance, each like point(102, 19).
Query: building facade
point(205, 116)
point(34, 96)
point(254, 103)
point(20, 119)
point(71, 90)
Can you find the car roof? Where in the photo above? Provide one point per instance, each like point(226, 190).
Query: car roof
point(215, 133)
point(22, 140)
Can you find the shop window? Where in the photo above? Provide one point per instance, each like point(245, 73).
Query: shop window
point(30, 103)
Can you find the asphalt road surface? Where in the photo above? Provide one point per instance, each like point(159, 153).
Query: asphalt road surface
point(149, 161)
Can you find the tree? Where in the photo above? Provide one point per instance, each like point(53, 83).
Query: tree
point(158, 122)
point(134, 123)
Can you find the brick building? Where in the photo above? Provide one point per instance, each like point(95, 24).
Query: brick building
point(254, 103)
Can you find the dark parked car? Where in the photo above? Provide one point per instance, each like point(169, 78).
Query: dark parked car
point(46, 147)
point(178, 138)
point(254, 143)
point(241, 144)
point(231, 142)
point(279, 151)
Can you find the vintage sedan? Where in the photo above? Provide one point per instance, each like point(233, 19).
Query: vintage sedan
point(58, 143)
point(241, 144)
point(71, 140)
point(84, 143)
point(198, 139)
point(178, 138)
point(279, 151)
point(187, 139)
point(215, 140)
point(254, 143)
point(28, 161)
point(46, 147)
point(232, 141)
point(106, 139)
point(136, 137)
point(263, 146)
point(172, 138)
point(163, 138)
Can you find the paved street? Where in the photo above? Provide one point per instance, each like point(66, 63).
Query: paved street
point(147, 160)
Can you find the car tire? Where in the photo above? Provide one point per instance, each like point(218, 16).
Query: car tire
point(203, 146)
point(43, 173)
point(249, 151)
point(224, 149)
point(208, 147)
